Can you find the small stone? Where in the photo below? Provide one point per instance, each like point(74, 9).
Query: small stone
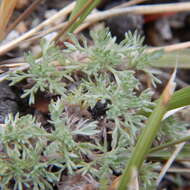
point(21, 27)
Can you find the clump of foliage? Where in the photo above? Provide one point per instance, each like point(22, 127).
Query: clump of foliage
point(88, 79)
point(43, 72)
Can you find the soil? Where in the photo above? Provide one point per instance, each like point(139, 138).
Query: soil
point(8, 101)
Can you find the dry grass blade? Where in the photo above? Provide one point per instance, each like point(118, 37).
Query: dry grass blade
point(146, 9)
point(179, 170)
point(127, 4)
point(130, 3)
point(12, 65)
point(57, 28)
point(171, 48)
point(139, 9)
point(143, 9)
point(168, 91)
point(6, 11)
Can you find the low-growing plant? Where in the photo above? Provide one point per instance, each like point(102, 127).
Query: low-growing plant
point(99, 83)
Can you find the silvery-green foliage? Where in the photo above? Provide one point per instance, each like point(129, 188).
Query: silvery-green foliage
point(64, 136)
point(148, 175)
point(28, 151)
point(172, 129)
point(23, 141)
point(43, 72)
point(108, 74)
point(106, 54)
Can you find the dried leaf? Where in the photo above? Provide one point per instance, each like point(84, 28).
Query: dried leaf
point(168, 91)
point(6, 11)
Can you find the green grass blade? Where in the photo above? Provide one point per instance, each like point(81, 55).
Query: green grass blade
point(143, 144)
point(80, 12)
point(179, 99)
point(78, 6)
point(169, 59)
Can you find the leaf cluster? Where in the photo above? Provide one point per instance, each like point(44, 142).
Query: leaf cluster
point(33, 158)
point(43, 72)
point(80, 75)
